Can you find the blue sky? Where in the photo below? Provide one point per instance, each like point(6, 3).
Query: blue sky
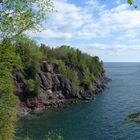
point(109, 29)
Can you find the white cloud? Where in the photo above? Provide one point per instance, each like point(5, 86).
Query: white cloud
point(92, 21)
point(72, 21)
point(99, 46)
point(45, 34)
point(114, 52)
point(128, 35)
point(118, 1)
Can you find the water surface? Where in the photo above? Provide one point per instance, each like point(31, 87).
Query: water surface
point(101, 119)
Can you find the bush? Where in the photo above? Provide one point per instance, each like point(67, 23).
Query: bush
point(87, 80)
point(32, 88)
point(62, 67)
point(70, 74)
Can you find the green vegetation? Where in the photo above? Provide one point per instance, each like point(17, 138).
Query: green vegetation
point(87, 80)
point(30, 55)
point(132, 3)
point(16, 17)
point(25, 56)
point(8, 101)
point(17, 52)
point(32, 88)
point(54, 136)
point(70, 74)
point(71, 61)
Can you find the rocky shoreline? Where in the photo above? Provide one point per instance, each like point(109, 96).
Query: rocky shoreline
point(55, 89)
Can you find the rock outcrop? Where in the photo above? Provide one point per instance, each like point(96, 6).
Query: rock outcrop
point(55, 88)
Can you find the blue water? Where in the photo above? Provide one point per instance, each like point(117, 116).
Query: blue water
point(101, 119)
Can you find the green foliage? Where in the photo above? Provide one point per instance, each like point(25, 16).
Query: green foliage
point(54, 136)
point(65, 55)
point(17, 16)
point(70, 74)
point(32, 88)
point(62, 67)
point(8, 57)
point(69, 58)
point(47, 53)
point(87, 80)
point(30, 55)
point(25, 54)
point(8, 101)
point(131, 2)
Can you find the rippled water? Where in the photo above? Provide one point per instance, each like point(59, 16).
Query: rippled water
point(101, 119)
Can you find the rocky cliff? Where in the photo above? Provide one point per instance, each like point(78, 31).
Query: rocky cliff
point(54, 88)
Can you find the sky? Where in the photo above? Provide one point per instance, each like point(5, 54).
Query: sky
point(109, 29)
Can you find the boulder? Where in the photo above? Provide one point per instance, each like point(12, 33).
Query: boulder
point(45, 67)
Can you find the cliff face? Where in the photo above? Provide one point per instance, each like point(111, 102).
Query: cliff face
point(55, 89)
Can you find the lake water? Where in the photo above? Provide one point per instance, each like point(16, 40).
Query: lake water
point(100, 119)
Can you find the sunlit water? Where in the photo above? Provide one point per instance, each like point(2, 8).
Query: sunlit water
point(100, 119)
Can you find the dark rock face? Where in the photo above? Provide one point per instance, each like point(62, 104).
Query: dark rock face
point(55, 88)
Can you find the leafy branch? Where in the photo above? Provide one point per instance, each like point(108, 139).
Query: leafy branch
point(132, 3)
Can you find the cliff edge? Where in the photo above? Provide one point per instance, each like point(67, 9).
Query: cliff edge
point(54, 88)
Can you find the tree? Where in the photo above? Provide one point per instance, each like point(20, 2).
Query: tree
point(87, 80)
point(32, 88)
point(132, 3)
point(17, 16)
point(30, 55)
point(8, 101)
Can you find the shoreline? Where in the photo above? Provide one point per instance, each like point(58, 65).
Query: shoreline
point(42, 103)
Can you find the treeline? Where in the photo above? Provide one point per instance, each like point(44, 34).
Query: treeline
point(67, 58)
point(31, 55)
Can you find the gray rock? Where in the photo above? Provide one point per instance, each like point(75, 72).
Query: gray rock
point(56, 88)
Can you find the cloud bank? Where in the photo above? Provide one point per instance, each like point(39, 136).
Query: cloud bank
point(95, 25)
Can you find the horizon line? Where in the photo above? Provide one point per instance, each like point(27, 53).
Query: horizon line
point(121, 62)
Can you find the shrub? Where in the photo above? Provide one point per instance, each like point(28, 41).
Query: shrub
point(62, 67)
point(69, 73)
point(87, 80)
point(72, 76)
point(32, 88)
